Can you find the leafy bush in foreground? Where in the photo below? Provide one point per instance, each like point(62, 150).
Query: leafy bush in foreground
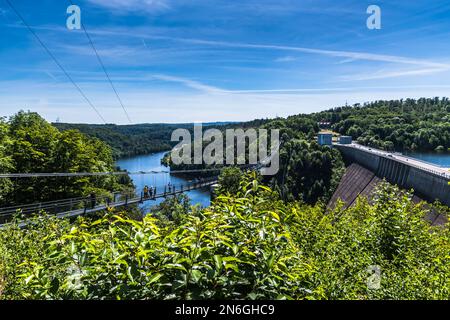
point(247, 246)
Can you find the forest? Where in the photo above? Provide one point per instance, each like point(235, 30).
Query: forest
point(400, 125)
point(397, 125)
point(29, 144)
point(132, 140)
point(308, 171)
point(128, 140)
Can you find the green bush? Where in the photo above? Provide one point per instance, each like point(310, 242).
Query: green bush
point(248, 246)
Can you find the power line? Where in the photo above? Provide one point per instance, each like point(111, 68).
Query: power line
point(55, 60)
point(96, 174)
point(75, 174)
point(104, 68)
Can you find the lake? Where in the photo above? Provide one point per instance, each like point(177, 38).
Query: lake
point(440, 159)
point(152, 162)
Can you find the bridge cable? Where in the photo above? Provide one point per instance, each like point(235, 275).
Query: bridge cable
point(55, 60)
point(104, 68)
point(91, 174)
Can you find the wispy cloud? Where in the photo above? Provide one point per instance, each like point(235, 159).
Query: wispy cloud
point(110, 52)
point(190, 83)
point(93, 78)
point(216, 90)
point(344, 61)
point(50, 75)
point(347, 55)
point(50, 99)
point(135, 6)
point(332, 53)
point(385, 74)
point(286, 59)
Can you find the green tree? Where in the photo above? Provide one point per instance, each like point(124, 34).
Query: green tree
point(6, 164)
point(229, 180)
point(35, 146)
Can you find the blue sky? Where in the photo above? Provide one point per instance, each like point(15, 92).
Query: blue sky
point(220, 60)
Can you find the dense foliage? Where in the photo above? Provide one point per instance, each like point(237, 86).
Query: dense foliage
point(29, 144)
point(308, 171)
point(248, 246)
point(5, 161)
point(131, 140)
point(229, 180)
point(422, 124)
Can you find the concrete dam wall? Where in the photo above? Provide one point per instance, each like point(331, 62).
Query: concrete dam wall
point(361, 182)
point(428, 184)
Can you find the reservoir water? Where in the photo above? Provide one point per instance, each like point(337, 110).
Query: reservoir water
point(152, 162)
point(439, 159)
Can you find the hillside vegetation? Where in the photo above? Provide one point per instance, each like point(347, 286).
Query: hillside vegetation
point(422, 124)
point(128, 140)
point(132, 140)
point(247, 245)
point(308, 171)
point(409, 124)
point(29, 144)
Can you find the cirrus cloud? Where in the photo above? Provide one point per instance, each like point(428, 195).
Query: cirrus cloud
point(135, 6)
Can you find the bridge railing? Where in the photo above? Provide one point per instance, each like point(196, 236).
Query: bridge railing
point(82, 205)
point(435, 172)
point(55, 207)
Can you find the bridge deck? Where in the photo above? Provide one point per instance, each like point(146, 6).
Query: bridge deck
point(117, 204)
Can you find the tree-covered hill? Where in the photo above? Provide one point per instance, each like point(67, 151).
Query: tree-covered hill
point(308, 171)
point(129, 140)
point(409, 124)
point(422, 124)
point(138, 139)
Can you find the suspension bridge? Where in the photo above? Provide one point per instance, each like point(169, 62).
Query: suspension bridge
point(73, 207)
point(69, 208)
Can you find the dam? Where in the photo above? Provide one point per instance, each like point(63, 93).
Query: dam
point(429, 182)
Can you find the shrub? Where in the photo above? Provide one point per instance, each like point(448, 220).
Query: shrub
point(248, 246)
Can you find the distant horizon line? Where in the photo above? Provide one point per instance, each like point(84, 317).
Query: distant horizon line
point(225, 122)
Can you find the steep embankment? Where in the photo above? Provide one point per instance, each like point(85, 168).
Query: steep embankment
point(359, 181)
